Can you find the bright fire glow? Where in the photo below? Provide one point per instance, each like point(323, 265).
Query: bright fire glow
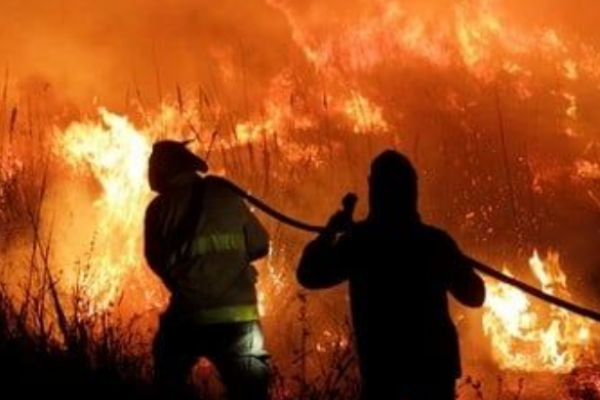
point(536, 337)
point(115, 153)
point(392, 54)
point(365, 116)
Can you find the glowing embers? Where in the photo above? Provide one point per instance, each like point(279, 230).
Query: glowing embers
point(534, 337)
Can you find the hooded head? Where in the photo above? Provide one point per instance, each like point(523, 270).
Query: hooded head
point(393, 187)
point(170, 158)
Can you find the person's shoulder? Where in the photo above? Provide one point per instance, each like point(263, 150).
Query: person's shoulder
point(154, 206)
point(223, 190)
point(214, 180)
point(360, 230)
point(437, 235)
point(218, 184)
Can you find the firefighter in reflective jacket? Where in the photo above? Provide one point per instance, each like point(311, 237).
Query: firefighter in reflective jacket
point(200, 239)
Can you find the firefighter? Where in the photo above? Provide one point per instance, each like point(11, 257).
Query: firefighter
point(200, 239)
point(399, 272)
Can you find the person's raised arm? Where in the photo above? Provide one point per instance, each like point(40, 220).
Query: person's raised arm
point(464, 283)
point(324, 261)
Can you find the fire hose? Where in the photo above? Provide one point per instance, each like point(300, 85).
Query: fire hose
point(348, 205)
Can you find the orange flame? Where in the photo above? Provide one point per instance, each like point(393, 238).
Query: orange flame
point(365, 116)
point(524, 337)
point(115, 153)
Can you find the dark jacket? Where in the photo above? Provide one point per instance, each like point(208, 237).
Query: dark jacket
point(399, 279)
point(200, 239)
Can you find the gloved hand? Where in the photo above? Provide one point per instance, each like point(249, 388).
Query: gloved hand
point(338, 222)
point(342, 220)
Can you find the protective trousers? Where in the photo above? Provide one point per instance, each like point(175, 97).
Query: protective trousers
point(236, 350)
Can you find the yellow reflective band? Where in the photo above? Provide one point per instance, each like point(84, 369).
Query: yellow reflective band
point(210, 244)
point(220, 243)
point(240, 313)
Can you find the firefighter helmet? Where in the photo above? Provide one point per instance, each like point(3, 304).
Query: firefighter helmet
point(169, 158)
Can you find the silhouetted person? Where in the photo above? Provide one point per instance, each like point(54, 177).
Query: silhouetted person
point(399, 271)
point(200, 239)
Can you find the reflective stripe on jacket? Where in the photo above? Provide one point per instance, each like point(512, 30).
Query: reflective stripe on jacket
point(207, 268)
point(208, 244)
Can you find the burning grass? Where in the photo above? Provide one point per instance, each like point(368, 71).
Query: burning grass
point(498, 116)
point(546, 338)
point(91, 321)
